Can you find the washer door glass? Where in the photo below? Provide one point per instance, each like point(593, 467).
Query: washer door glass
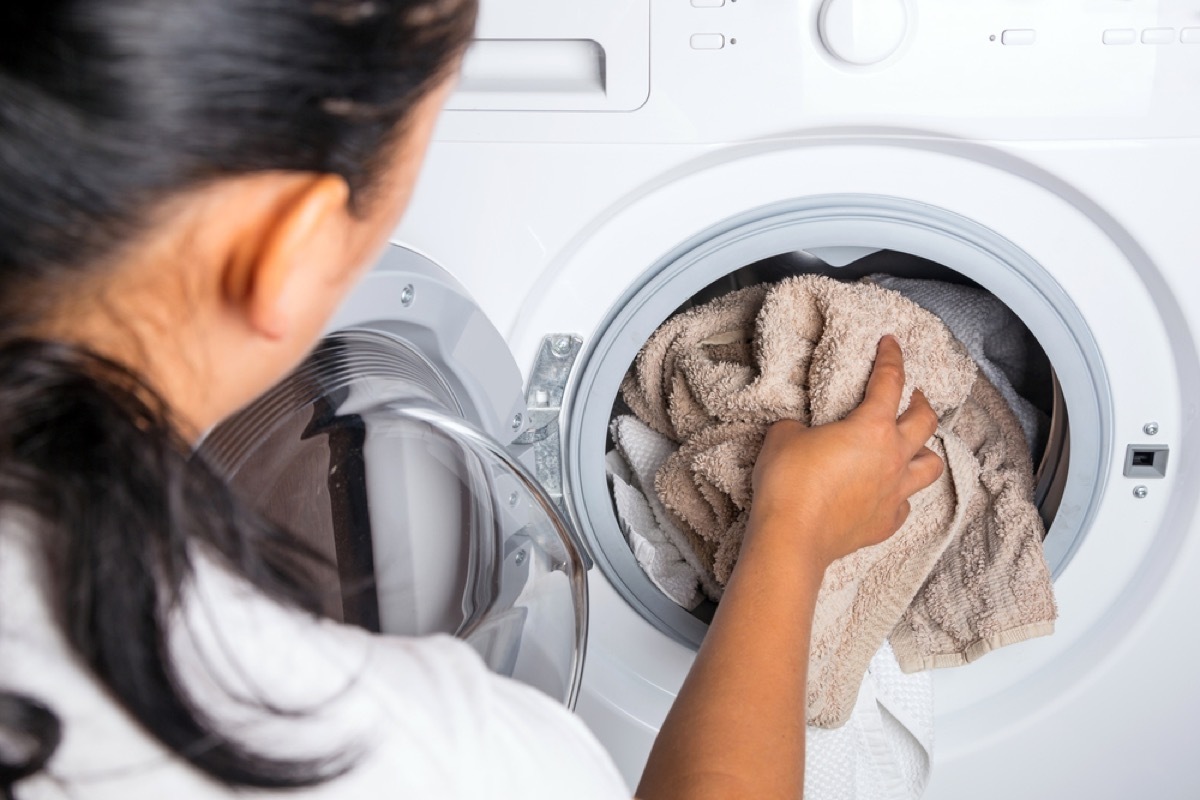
point(425, 524)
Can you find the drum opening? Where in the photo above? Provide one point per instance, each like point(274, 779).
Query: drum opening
point(1033, 379)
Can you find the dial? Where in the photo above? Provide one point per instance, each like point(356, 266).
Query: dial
point(863, 32)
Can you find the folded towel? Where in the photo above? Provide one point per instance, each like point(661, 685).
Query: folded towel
point(712, 380)
point(995, 338)
point(657, 556)
point(682, 564)
point(662, 550)
point(885, 750)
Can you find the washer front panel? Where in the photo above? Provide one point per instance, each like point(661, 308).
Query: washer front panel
point(586, 284)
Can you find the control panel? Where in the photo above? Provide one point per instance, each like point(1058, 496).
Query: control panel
point(730, 70)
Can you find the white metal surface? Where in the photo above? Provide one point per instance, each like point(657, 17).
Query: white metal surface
point(1015, 115)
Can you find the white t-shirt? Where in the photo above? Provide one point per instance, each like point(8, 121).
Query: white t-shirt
point(424, 716)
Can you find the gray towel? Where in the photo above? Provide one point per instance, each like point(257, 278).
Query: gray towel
point(963, 576)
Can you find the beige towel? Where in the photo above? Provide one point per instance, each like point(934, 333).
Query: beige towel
point(963, 576)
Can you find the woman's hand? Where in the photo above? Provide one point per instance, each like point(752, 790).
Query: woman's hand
point(846, 485)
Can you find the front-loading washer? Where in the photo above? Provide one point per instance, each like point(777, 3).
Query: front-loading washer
point(605, 163)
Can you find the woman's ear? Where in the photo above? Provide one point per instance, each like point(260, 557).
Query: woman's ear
point(290, 253)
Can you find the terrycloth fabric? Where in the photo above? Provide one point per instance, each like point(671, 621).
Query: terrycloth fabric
point(993, 335)
point(712, 380)
point(885, 750)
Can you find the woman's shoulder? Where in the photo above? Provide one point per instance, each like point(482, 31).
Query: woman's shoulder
point(418, 715)
point(426, 709)
point(429, 703)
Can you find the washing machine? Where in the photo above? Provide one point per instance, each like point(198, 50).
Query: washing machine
point(605, 163)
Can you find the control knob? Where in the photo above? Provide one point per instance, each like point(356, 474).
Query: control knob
point(863, 32)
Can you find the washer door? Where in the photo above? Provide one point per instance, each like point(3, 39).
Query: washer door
point(386, 452)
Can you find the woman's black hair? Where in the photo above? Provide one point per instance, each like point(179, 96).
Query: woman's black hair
point(108, 109)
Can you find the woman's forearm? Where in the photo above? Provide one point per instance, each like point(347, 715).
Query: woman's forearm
point(737, 727)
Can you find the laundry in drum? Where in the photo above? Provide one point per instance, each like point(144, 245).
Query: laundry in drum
point(963, 576)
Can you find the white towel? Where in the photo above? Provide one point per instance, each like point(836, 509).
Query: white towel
point(659, 546)
point(885, 750)
point(993, 335)
point(657, 557)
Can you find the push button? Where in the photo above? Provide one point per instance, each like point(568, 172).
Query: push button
point(1120, 36)
point(708, 41)
point(1158, 35)
point(1190, 36)
point(1018, 36)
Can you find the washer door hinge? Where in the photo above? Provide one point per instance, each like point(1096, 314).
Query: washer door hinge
point(544, 399)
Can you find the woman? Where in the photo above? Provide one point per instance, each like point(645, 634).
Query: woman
point(187, 190)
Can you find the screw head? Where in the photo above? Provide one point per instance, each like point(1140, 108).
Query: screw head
point(1150, 428)
point(518, 421)
point(1140, 492)
point(561, 346)
point(520, 557)
point(407, 295)
point(513, 499)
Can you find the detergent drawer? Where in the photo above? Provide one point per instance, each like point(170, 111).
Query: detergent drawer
point(546, 55)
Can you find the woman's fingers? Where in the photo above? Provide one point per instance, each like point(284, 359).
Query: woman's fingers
point(868, 465)
point(918, 422)
point(925, 468)
point(886, 385)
